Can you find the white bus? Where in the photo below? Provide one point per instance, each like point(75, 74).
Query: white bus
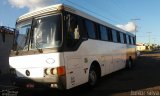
point(62, 47)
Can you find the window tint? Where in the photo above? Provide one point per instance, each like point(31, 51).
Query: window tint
point(134, 40)
point(130, 40)
point(121, 37)
point(73, 34)
point(90, 29)
point(103, 33)
point(110, 38)
point(82, 29)
point(114, 35)
point(118, 36)
point(127, 39)
point(97, 30)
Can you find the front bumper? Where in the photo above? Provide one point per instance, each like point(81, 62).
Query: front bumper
point(58, 82)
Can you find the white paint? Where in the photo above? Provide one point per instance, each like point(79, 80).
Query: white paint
point(34, 63)
point(111, 56)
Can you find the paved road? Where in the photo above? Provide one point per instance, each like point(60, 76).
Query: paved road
point(143, 79)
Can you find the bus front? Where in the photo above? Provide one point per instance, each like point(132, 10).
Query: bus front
point(36, 58)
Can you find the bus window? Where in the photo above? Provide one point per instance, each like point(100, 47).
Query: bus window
point(121, 37)
point(134, 40)
point(72, 30)
point(110, 38)
point(130, 40)
point(127, 39)
point(124, 37)
point(118, 36)
point(90, 29)
point(82, 29)
point(103, 33)
point(114, 35)
point(97, 30)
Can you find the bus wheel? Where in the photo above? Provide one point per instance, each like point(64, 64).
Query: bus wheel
point(93, 77)
point(129, 64)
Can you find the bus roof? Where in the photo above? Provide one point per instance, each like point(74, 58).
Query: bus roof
point(59, 7)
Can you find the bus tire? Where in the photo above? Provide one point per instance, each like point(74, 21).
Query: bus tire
point(93, 76)
point(129, 64)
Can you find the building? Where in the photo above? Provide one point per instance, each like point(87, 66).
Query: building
point(6, 42)
point(140, 47)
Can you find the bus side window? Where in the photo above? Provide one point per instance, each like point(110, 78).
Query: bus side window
point(134, 40)
point(110, 38)
point(97, 30)
point(124, 37)
point(118, 36)
point(130, 40)
point(121, 37)
point(82, 29)
point(73, 34)
point(114, 35)
point(90, 27)
point(103, 33)
point(127, 36)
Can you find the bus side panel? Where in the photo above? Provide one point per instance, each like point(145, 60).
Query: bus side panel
point(131, 52)
point(78, 62)
point(75, 74)
point(119, 56)
point(110, 56)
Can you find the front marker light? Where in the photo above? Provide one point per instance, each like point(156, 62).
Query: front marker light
point(55, 71)
point(47, 71)
point(50, 71)
point(61, 70)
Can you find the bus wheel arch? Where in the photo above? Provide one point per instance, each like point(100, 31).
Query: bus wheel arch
point(94, 73)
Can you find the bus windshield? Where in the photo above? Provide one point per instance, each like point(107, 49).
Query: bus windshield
point(40, 33)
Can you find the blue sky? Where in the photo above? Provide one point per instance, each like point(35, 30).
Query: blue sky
point(113, 11)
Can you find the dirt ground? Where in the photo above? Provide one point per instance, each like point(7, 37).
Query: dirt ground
point(143, 79)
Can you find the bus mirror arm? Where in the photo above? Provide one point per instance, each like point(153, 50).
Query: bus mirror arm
point(84, 38)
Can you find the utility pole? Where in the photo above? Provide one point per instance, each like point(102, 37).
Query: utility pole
point(134, 21)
